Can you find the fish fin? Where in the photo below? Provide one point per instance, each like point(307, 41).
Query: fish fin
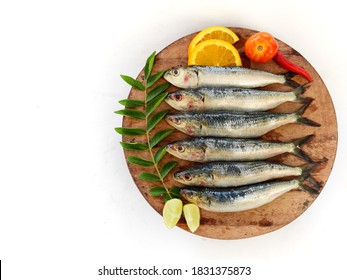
point(307, 169)
point(288, 76)
point(313, 191)
point(297, 149)
point(300, 90)
point(306, 176)
point(316, 185)
point(303, 120)
point(307, 122)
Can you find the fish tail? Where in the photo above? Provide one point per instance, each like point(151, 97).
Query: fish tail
point(316, 186)
point(307, 169)
point(288, 76)
point(311, 190)
point(297, 149)
point(300, 90)
point(301, 119)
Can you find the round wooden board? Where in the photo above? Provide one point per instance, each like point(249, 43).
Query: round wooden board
point(287, 207)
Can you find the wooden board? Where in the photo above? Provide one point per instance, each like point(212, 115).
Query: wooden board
point(282, 210)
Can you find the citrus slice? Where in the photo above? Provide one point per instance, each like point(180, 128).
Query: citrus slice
point(172, 212)
point(213, 32)
point(215, 53)
point(192, 215)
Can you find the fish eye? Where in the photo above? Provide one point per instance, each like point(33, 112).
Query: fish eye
point(180, 148)
point(178, 96)
point(187, 177)
point(177, 121)
point(175, 72)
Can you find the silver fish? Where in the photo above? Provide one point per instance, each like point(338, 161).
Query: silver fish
point(241, 199)
point(234, 125)
point(232, 99)
point(234, 174)
point(214, 76)
point(228, 149)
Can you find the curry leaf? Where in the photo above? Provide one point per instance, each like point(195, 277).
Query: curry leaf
point(149, 177)
point(155, 77)
point(132, 82)
point(159, 136)
point(149, 65)
point(139, 161)
point(130, 131)
point(175, 192)
point(131, 113)
point(152, 122)
point(134, 146)
point(151, 106)
point(131, 103)
point(159, 154)
point(166, 197)
point(157, 191)
point(166, 168)
point(156, 91)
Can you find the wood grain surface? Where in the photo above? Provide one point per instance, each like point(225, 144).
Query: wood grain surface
point(286, 208)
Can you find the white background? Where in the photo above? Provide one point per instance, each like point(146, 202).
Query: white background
point(68, 205)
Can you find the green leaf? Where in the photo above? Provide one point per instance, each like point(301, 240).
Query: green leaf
point(134, 146)
point(130, 131)
point(151, 106)
point(149, 65)
point(175, 192)
point(152, 122)
point(132, 82)
point(166, 197)
point(131, 113)
point(149, 177)
point(131, 103)
point(157, 191)
point(156, 91)
point(155, 77)
point(159, 154)
point(159, 136)
point(139, 161)
point(166, 168)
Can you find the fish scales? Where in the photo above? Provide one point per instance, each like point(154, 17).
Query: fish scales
point(235, 99)
point(212, 76)
point(238, 199)
point(226, 124)
point(225, 174)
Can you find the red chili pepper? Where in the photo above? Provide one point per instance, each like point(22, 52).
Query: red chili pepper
point(285, 63)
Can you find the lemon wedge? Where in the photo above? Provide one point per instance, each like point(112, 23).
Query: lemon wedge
point(172, 212)
point(192, 215)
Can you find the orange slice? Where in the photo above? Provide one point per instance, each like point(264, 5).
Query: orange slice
point(215, 53)
point(213, 32)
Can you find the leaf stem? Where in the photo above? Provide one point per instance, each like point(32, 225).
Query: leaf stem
point(150, 149)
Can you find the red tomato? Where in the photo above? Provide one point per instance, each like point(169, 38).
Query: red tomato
point(261, 47)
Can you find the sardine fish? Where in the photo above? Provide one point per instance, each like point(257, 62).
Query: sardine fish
point(234, 125)
point(229, 149)
point(243, 198)
point(232, 99)
point(214, 76)
point(234, 174)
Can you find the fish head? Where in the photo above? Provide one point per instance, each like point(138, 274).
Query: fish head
point(194, 195)
point(194, 177)
point(185, 100)
point(182, 77)
point(185, 123)
point(188, 150)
